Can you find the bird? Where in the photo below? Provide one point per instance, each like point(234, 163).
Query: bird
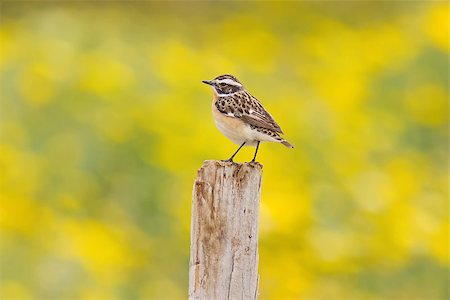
point(241, 117)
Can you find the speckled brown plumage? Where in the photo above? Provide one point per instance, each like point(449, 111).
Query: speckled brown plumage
point(244, 106)
point(240, 116)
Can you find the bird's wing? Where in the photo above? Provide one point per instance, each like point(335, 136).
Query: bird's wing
point(248, 109)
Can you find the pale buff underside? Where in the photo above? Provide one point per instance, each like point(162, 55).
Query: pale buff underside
point(238, 131)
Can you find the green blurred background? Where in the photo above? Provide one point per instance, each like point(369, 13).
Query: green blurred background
point(104, 122)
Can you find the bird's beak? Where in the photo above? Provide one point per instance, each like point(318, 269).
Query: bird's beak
point(210, 82)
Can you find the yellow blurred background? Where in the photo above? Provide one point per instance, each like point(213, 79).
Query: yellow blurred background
point(104, 122)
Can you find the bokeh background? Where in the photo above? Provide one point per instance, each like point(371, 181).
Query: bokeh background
point(104, 122)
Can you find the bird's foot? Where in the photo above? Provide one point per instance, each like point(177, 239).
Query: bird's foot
point(228, 160)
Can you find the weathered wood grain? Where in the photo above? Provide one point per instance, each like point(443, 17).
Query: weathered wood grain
point(224, 231)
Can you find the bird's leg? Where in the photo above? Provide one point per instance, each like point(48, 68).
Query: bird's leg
point(231, 158)
point(254, 157)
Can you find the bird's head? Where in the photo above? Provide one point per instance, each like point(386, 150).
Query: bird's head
point(225, 85)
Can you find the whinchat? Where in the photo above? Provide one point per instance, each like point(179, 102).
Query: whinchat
point(240, 116)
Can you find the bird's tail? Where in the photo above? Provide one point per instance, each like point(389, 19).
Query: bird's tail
point(286, 143)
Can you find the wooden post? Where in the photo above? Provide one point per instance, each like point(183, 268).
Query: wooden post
point(224, 231)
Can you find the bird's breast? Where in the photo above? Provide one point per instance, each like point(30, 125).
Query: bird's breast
point(231, 127)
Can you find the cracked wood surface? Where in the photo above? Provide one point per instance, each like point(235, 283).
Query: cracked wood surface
point(224, 231)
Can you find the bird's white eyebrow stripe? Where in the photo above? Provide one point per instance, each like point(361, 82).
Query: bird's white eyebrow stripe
point(229, 81)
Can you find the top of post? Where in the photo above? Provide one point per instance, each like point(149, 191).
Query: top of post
point(221, 163)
